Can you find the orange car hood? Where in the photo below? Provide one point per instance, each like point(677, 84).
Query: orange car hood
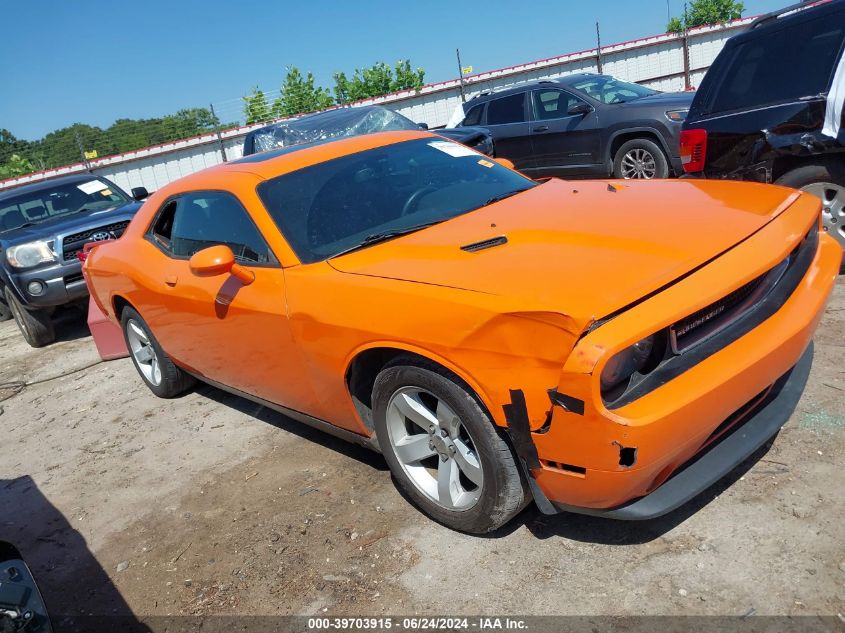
point(584, 249)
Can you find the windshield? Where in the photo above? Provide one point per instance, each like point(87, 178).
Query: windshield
point(609, 90)
point(332, 124)
point(42, 205)
point(353, 201)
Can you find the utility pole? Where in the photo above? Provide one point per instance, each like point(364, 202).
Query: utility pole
point(219, 136)
point(81, 150)
point(598, 48)
point(460, 76)
point(685, 41)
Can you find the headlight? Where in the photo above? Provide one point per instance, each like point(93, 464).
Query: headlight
point(622, 366)
point(679, 116)
point(30, 254)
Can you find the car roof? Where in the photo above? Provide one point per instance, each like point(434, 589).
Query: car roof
point(793, 14)
point(46, 184)
point(564, 81)
point(272, 163)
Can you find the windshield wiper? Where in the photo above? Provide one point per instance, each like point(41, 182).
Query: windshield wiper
point(502, 196)
point(375, 238)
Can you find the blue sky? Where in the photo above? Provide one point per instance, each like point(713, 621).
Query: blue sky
point(93, 61)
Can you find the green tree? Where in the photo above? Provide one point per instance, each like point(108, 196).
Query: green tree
point(256, 108)
point(299, 95)
point(15, 166)
point(377, 80)
point(706, 12)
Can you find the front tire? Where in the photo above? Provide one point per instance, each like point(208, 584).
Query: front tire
point(443, 449)
point(640, 159)
point(36, 326)
point(156, 369)
point(826, 182)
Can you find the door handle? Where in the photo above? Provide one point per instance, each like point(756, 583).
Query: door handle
point(541, 128)
point(171, 280)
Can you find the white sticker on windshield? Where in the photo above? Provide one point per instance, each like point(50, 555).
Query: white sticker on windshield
point(92, 186)
point(453, 149)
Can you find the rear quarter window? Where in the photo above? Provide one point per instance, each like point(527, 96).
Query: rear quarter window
point(783, 65)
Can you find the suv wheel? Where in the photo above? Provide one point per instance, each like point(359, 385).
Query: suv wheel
point(35, 325)
point(443, 449)
point(159, 373)
point(826, 182)
point(640, 159)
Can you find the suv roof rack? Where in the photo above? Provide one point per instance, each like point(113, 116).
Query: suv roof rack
point(791, 9)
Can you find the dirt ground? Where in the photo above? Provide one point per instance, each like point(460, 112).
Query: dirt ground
point(209, 504)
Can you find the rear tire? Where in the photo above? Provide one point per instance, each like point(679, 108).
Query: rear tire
point(36, 325)
point(462, 473)
point(640, 159)
point(827, 182)
point(156, 369)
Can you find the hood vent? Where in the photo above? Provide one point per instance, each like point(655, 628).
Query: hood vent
point(480, 246)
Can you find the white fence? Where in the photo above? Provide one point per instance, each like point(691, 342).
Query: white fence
point(666, 62)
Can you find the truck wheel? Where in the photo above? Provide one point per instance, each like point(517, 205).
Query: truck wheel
point(5, 312)
point(443, 449)
point(36, 325)
point(640, 159)
point(159, 373)
point(826, 182)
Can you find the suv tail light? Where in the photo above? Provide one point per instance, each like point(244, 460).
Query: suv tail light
point(693, 149)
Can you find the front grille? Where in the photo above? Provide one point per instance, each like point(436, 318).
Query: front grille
point(698, 325)
point(72, 244)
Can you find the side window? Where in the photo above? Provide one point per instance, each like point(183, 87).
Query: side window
point(473, 117)
point(510, 109)
point(198, 220)
point(553, 104)
point(793, 62)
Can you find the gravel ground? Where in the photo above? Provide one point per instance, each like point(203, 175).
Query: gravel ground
point(209, 504)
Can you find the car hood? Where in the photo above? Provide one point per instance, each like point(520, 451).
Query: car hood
point(669, 99)
point(62, 225)
point(583, 249)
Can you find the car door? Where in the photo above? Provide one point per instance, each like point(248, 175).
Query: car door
point(565, 133)
point(228, 332)
point(507, 119)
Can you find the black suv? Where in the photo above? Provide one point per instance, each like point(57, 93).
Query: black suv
point(766, 110)
point(43, 227)
point(584, 125)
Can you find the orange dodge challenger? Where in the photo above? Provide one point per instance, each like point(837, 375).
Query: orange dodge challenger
point(609, 348)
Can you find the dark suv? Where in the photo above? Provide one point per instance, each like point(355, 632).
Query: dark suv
point(767, 108)
point(42, 229)
point(584, 125)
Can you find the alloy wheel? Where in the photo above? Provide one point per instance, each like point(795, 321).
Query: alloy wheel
point(638, 163)
point(143, 352)
point(434, 448)
point(833, 206)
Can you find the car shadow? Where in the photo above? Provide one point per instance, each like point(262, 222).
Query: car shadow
point(598, 530)
point(71, 324)
point(569, 525)
point(77, 591)
point(300, 429)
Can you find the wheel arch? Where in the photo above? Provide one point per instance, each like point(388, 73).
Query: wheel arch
point(367, 362)
point(782, 165)
point(620, 137)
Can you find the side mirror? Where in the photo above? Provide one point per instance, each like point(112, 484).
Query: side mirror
point(219, 260)
point(139, 193)
point(580, 108)
point(505, 163)
point(423, 126)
